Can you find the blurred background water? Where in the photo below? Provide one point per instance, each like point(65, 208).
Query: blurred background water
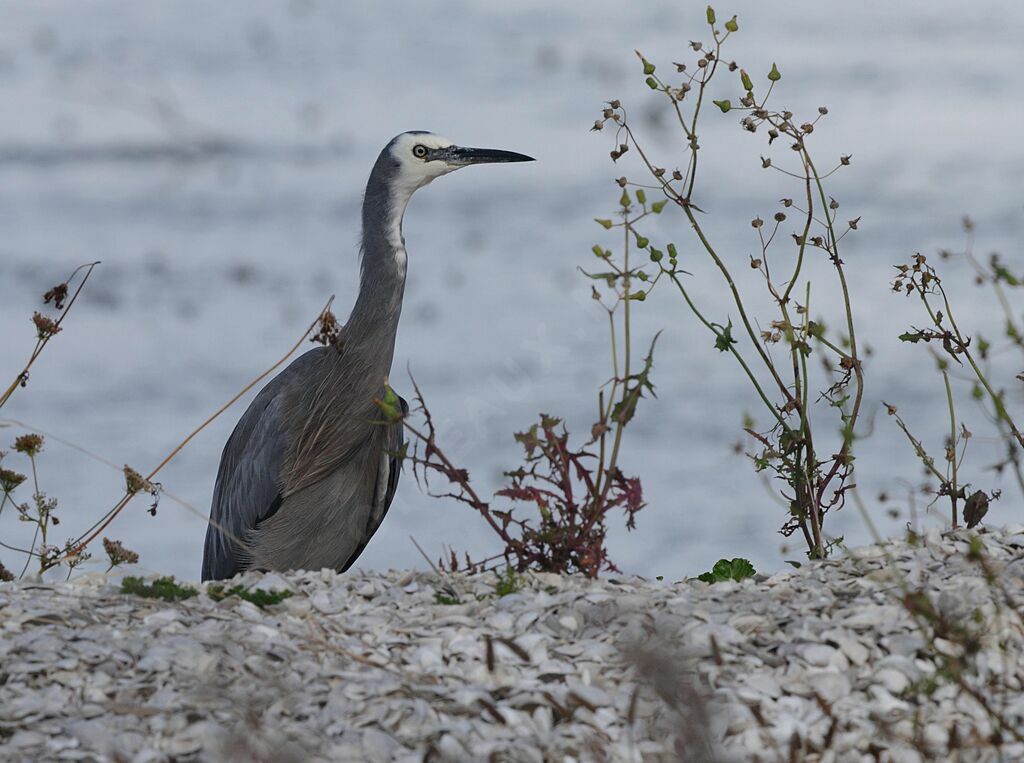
point(213, 156)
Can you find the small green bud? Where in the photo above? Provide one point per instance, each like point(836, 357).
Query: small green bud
point(641, 196)
point(774, 74)
point(639, 296)
point(652, 83)
point(648, 66)
point(657, 206)
point(711, 15)
point(725, 105)
point(656, 255)
point(641, 241)
point(598, 251)
point(606, 224)
point(624, 200)
point(641, 275)
point(745, 79)
point(672, 251)
point(731, 25)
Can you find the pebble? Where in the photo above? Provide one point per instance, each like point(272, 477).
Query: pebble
point(823, 663)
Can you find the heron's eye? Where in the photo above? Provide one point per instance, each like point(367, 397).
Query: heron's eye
point(420, 152)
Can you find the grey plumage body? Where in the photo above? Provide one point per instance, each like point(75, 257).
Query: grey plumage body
point(310, 470)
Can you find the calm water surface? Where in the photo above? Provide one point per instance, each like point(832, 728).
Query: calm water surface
point(213, 157)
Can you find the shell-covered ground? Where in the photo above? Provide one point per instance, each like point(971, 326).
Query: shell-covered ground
point(824, 662)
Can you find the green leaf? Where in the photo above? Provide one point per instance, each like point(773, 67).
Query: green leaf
point(711, 15)
point(731, 25)
point(390, 406)
point(606, 224)
point(166, 588)
point(723, 338)
point(774, 74)
point(911, 336)
point(729, 569)
point(1002, 274)
point(608, 278)
point(725, 105)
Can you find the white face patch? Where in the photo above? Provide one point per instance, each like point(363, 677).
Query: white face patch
point(416, 171)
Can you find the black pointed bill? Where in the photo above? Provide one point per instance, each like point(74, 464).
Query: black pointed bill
point(461, 155)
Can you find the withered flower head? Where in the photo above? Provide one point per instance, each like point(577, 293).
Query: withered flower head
point(9, 480)
point(136, 483)
point(328, 331)
point(29, 444)
point(57, 295)
point(118, 554)
point(45, 327)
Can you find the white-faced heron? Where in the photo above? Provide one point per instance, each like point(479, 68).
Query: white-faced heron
point(310, 470)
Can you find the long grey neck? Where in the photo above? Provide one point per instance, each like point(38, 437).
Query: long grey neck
point(373, 324)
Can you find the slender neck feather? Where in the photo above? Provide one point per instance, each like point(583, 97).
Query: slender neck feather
point(373, 324)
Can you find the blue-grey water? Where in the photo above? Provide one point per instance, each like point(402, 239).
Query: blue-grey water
point(213, 156)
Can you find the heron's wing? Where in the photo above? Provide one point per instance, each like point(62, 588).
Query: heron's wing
point(248, 481)
point(387, 481)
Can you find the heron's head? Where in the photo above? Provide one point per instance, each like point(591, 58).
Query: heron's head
point(419, 157)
